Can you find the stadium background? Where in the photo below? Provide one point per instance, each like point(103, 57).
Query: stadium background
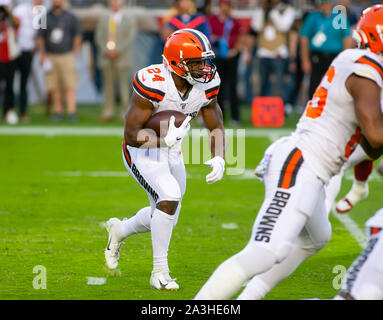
point(148, 12)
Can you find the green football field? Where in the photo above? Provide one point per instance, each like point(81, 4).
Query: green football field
point(58, 188)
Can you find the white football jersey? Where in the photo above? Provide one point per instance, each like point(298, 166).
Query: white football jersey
point(328, 131)
point(156, 84)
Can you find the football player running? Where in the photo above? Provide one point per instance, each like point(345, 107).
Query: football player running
point(186, 82)
point(292, 223)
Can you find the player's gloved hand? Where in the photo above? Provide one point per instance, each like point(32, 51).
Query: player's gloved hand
point(176, 134)
point(218, 168)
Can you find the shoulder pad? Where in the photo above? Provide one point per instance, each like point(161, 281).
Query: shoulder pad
point(370, 68)
point(149, 83)
point(212, 88)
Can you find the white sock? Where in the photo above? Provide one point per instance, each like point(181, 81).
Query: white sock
point(358, 192)
point(162, 226)
point(139, 223)
point(359, 184)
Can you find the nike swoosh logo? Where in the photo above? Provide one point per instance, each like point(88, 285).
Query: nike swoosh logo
point(178, 139)
point(162, 285)
point(107, 247)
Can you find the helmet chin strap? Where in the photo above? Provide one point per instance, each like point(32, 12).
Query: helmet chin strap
point(187, 75)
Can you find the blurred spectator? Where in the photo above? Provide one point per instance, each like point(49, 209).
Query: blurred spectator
point(355, 9)
point(206, 8)
point(27, 43)
point(59, 45)
point(321, 42)
point(248, 58)
point(89, 18)
point(115, 34)
point(272, 23)
point(295, 66)
point(186, 17)
point(227, 38)
point(9, 51)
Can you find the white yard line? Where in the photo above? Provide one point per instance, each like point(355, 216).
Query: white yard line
point(229, 226)
point(95, 281)
point(95, 174)
point(61, 131)
point(352, 227)
point(271, 133)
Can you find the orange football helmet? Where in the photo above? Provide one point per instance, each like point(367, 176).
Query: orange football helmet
point(368, 31)
point(184, 50)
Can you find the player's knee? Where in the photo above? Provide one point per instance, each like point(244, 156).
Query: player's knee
point(324, 238)
point(318, 245)
point(257, 257)
point(169, 207)
point(169, 190)
point(369, 291)
point(314, 244)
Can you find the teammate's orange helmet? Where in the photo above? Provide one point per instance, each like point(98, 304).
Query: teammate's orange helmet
point(185, 46)
point(368, 31)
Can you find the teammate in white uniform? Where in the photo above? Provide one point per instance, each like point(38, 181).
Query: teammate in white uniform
point(364, 278)
point(186, 82)
point(292, 223)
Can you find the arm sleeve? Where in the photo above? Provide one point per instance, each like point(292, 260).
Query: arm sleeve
point(307, 27)
point(77, 27)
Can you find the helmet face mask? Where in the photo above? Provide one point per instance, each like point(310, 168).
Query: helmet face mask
point(189, 55)
point(200, 70)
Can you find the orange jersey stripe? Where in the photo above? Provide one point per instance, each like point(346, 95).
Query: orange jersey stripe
point(213, 93)
point(126, 155)
point(146, 92)
point(290, 169)
point(371, 63)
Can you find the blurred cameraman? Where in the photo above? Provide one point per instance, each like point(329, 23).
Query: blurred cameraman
point(9, 51)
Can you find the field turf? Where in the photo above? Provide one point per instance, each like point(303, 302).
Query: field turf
point(56, 191)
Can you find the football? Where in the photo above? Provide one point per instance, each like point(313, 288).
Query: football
point(159, 122)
